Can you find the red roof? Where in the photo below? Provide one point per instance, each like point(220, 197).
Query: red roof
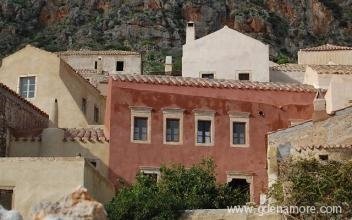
point(213, 83)
point(327, 47)
point(23, 100)
point(85, 134)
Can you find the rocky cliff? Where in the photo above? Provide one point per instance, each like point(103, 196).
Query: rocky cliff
point(157, 27)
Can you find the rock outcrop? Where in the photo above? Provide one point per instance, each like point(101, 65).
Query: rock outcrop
point(77, 206)
point(9, 215)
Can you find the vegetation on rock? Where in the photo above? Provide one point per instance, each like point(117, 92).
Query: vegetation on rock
point(178, 189)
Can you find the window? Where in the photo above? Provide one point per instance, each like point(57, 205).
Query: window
point(241, 182)
point(190, 24)
point(119, 65)
point(204, 127)
point(243, 76)
point(151, 172)
point(96, 65)
point(96, 114)
point(6, 196)
point(140, 124)
point(84, 105)
point(239, 128)
point(204, 132)
point(207, 75)
point(173, 126)
point(239, 133)
point(27, 86)
point(324, 157)
point(140, 132)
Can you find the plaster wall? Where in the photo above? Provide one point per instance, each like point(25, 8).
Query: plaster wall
point(54, 80)
point(226, 53)
point(342, 57)
point(287, 76)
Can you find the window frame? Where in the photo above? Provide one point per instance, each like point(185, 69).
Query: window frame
point(204, 115)
point(151, 170)
point(141, 112)
point(123, 65)
point(173, 113)
point(35, 85)
point(241, 117)
point(246, 176)
point(207, 73)
point(238, 72)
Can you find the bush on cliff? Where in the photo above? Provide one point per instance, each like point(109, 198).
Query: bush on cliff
point(178, 189)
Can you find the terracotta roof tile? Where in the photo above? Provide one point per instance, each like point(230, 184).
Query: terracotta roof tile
point(289, 67)
point(23, 100)
point(327, 146)
point(327, 47)
point(213, 83)
point(96, 52)
point(332, 69)
point(85, 134)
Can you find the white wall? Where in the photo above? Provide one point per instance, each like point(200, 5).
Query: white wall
point(339, 93)
point(226, 52)
point(287, 76)
point(343, 57)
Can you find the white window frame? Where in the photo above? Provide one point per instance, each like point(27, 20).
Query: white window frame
point(248, 177)
point(238, 72)
point(35, 85)
point(201, 73)
point(144, 112)
point(173, 113)
point(151, 170)
point(207, 115)
point(239, 117)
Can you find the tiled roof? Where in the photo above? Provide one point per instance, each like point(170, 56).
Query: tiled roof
point(23, 100)
point(332, 69)
point(213, 83)
point(96, 52)
point(289, 67)
point(85, 134)
point(327, 47)
point(328, 146)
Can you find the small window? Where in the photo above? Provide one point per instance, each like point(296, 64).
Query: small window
point(207, 75)
point(243, 76)
point(172, 130)
point(152, 176)
point(96, 65)
point(140, 129)
point(96, 114)
point(239, 133)
point(204, 132)
point(27, 86)
point(324, 157)
point(190, 24)
point(84, 105)
point(6, 198)
point(119, 65)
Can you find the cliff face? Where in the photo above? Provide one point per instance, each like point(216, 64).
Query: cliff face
point(158, 26)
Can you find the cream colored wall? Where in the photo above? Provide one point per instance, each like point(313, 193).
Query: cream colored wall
point(37, 179)
point(54, 80)
point(343, 57)
point(52, 145)
point(321, 81)
point(339, 94)
point(226, 52)
point(132, 63)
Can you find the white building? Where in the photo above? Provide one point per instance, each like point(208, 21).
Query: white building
point(225, 54)
point(325, 55)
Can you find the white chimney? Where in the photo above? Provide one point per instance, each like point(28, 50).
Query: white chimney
point(168, 65)
point(190, 32)
point(319, 105)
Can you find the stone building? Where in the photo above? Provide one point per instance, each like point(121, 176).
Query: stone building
point(161, 120)
point(225, 54)
point(327, 54)
point(50, 83)
point(111, 61)
point(325, 137)
point(18, 116)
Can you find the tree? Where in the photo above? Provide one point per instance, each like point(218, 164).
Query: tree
point(178, 189)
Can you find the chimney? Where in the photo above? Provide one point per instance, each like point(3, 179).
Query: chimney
point(53, 117)
point(319, 104)
point(168, 65)
point(190, 32)
point(100, 66)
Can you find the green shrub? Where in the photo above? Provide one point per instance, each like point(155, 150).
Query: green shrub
point(178, 189)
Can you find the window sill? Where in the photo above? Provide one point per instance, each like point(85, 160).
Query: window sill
point(140, 142)
point(240, 145)
point(204, 145)
point(172, 143)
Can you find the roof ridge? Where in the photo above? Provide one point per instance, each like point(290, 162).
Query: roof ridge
point(213, 83)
